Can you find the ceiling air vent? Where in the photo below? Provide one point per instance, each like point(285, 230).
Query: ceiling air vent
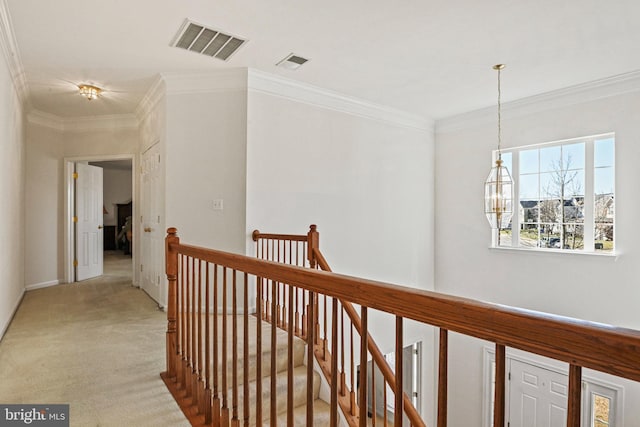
point(207, 41)
point(292, 62)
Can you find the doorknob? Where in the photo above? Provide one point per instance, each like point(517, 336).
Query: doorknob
point(147, 229)
point(100, 227)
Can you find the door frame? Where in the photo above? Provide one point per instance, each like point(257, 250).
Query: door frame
point(69, 205)
point(552, 365)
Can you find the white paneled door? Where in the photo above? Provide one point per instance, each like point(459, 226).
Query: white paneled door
point(537, 396)
point(89, 227)
point(152, 236)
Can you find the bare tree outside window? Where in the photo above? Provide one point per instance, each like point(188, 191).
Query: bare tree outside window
point(565, 195)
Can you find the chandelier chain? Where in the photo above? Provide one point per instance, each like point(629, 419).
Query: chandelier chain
point(499, 116)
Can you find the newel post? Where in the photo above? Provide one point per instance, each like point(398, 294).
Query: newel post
point(171, 254)
point(313, 242)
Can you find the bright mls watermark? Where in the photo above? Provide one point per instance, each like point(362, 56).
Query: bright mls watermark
point(34, 415)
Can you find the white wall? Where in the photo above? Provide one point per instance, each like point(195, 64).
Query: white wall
point(366, 182)
point(48, 144)
point(44, 202)
point(599, 288)
point(205, 160)
point(12, 186)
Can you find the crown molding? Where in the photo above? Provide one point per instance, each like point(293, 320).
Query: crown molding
point(41, 118)
point(83, 124)
point(151, 98)
point(260, 81)
point(12, 54)
point(586, 92)
point(271, 84)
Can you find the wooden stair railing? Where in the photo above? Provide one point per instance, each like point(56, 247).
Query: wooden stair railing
point(304, 250)
point(210, 380)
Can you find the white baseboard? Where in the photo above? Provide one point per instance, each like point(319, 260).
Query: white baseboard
point(13, 313)
point(42, 285)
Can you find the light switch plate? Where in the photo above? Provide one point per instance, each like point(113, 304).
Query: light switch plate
point(217, 205)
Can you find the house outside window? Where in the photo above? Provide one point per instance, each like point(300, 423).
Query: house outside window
point(565, 196)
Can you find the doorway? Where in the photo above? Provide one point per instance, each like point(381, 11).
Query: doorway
point(119, 188)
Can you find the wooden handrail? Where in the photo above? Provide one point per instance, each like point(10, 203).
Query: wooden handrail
point(374, 350)
point(580, 343)
point(562, 338)
point(257, 235)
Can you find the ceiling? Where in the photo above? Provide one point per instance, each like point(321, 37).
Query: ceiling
point(433, 58)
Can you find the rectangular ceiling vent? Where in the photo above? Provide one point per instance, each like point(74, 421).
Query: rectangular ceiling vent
point(207, 41)
point(292, 61)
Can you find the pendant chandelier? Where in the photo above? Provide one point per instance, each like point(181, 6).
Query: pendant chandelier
point(498, 188)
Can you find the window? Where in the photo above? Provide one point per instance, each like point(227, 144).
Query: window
point(565, 195)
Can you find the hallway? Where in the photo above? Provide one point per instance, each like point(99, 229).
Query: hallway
point(98, 345)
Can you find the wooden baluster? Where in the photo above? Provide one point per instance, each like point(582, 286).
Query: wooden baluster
point(310, 341)
point(235, 420)
point(259, 284)
point(207, 348)
point(278, 318)
point(333, 421)
point(384, 405)
point(185, 321)
point(179, 326)
point(274, 351)
point(325, 330)
point(194, 331)
point(297, 298)
point(373, 394)
point(398, 407)
point(499, 399)
point(290, 362)
point(575, 396)
point(353, 383)
point(343, 378)
point(224, 412)
point(189, 372)
point(443, 360)
point(245, 356)
point(171, 259)
point(363, 367)
point(201, 387)
point(216, 339)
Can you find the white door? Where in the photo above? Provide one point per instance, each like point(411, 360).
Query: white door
point(537, 396)
point(89, 227)
point(152, 236)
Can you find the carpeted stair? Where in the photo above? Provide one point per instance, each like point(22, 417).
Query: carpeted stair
point(321, 408)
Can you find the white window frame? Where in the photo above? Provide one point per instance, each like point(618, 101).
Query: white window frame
point(589, 196)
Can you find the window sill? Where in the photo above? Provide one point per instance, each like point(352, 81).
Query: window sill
point(613, 255)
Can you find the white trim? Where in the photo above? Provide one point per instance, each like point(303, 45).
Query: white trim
point(83, 124)
point(271, 84)
point(552, 365)
point(16, 305)
point(69, 244)
point(250, 79)
point(12, 53)
point(151, 98)
point(108, 122)
point(572, 95)
point(42, 285)
point(41, 118)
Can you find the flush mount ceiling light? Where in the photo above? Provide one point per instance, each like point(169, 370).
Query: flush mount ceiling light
point(90, 92)
point(292, 62)
point(498, 188)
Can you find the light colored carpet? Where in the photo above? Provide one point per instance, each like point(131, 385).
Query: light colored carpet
point(97, 345)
